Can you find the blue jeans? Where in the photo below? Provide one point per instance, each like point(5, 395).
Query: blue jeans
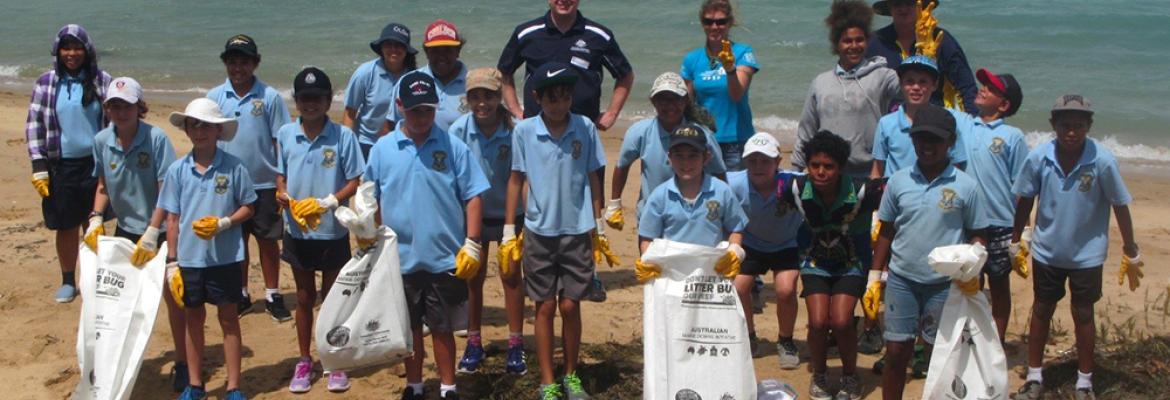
point(913, 308)
point(732, 155)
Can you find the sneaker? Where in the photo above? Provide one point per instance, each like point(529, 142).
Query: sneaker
point(1084, 394)
point(870, 341)
point(409, 394)
point(244, 306)
point(754, 341)
point(452, 395)
point(1032, 390)
point(850, 388)
point(550, 392)
point(276, 308)
point(302, 379)
point(757, 296)
point(193, 393)
point(472, 356)
point(596, 291)
point(338, 382)
point(516, 363)
point(65, 293)
point(573, 389)
point(234, 394)
point(818, 388)
point(920, 363)
point(789, 354)
point(179, 377)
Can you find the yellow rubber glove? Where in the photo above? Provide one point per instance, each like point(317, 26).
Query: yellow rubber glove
point(92, 232)
point(1021, 252)
point(726, 56)
point(467, 261)
point(871, 302)
point(969, 288)
point(613, 214)
point(875, 230)
point(601, 249)
point(40, 181)
point(307, 213)
point(209, 226)
point(926, 40)
point(146, 248)
point(646, 272)
point(175, 283)
point(728, 265)
point(1131, 267)
point(510, 249)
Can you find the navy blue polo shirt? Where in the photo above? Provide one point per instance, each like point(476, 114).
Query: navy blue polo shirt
point(587, 46)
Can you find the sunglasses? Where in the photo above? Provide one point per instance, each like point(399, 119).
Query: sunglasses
point(716, 21)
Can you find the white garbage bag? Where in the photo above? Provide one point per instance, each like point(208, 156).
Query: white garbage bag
point(119, 305)
point(968, 360)
point(363, 320)
point(695, 335)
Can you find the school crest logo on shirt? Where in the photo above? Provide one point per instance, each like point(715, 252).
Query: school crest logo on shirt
point(505, 153)
point(576, 149)
point(947, 202)
point(257, 107)
point(1086, 182)
point(113, 165)
point(221, 184)
point(329, 158)
point(996, 145)
point(143, 159)
point(712, 210)
point(440, 163)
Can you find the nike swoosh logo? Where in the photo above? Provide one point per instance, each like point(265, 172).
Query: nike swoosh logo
point(551, 74)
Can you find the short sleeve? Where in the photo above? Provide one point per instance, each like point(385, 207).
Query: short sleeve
point(615, 61)
point(888, 211)
point(281, 154)
point(510, 58)
point(715, 166)
point(632, 146)
point(98, 162)
point(686, 70)
point(518, 150)
point(650, 223)
point(278, 114)
point(1019, 155)
point(597, 159)
point(747, 58)
point(1113, 184)
point(351, 154)
point(734, 218)
point(972, 217)
point(371, 170)
point(1028, 180)
point(164, 154)
point(469, 176)
point(355, 91)
point(245, 191)
point(168, 197)
point(879, 144)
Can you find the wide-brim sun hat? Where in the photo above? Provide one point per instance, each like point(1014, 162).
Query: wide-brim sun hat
point(205, 110)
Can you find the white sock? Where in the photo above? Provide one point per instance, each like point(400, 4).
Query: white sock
point(269, 292)
point(1034, 374)
point(418, 387)
point(244, 291)
point(1084, 381)
point(443, 389)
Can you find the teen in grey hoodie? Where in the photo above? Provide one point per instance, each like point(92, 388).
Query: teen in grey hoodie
point(848, 99)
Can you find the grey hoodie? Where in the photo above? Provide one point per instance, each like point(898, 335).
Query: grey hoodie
point(848, 104)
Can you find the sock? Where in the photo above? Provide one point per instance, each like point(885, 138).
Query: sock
point(1084, 381)
point(269, 292)
point(1034, 374)
point(244, 291)
point(417, 387)
point(515, 339)
point(474, 339)
point(67, 278)
point(443, 389)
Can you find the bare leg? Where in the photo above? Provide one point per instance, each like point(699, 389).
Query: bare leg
point(177, 318)
point(1038, 331)
point(414, 363)
point(1086, 334)
point(546, 311)
point(229, 320)
point(1001, 303)
point(786, 304)
point(306, 298)
point(269, 262)
point(514, 300)
point(743, 287)
point(841, 320)
point(894, 373)
point(67, 242)
point(475, 293)
point(818, 330)
point(444, 344)
point(571, 333)
point(195, 318)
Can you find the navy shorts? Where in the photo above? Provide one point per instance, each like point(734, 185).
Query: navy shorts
point(1083, 283)
point(493, 229)
point(760, 262)
point(315, 255)
point(267, 223)
point(219, 285)
point(71, 190)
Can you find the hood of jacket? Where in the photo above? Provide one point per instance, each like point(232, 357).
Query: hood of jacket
point(77, 32)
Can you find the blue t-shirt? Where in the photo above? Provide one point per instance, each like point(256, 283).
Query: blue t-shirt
point(892, 143)
point(133, 174)
point(647, 141)
point(370, 93)
point(259, 114)
point(772, 224)
point(450, 98)
point(219, 191)
point(714, 215)
point(495, 159)
point(78, 122)
point(995, 155)
point(1072, 213)
point(733, 119)
point(559, 198)
point(315, 169)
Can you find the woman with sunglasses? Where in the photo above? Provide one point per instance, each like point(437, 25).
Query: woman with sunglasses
point(718, 76)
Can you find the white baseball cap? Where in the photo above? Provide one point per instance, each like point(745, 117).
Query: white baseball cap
point(763, 143)
point(669, 82)
point(206, 110)
point(124, 88)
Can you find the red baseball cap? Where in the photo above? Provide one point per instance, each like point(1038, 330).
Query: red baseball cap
point(1006, 85)
point(441, 33)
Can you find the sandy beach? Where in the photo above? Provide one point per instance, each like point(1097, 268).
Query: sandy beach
point(37, 335)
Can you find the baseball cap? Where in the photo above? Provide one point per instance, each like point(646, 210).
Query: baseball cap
point(553, 73)
point(883, 7)
point(689, 134)
point(124, 88)
point(1006, 85)
point(206, 110)
point(417, 89)
point(312, 81)
point(934, 120)
point(242, 44)
point(395, 32)
point(669, 82)
point(484, 78)
point(763, 143)
point(442, 33)
point(1072, 102)
point(918, 62)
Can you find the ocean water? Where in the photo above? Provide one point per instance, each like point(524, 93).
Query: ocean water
point(1115, 53)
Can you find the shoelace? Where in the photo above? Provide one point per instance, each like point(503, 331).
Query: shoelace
point(303, 369)
point(573, 383)
point(788, 347)
point(551, 392)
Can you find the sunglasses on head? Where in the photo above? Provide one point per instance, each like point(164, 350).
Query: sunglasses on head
point(716, 21)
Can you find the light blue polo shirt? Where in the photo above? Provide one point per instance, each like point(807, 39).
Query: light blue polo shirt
point(495, 159)
point(995, 155)
point(1072, 214)
point(78, 122)
point(733, 119)
point(892, 143)
point(260, 113)
point(647, 141)
point(928, 215)
point(371, 93)
point(316, 169)
point(450, 98)
point(558, 169)
point(422, 191)
point(772, 223)
point(133, 174)
point(715, 214)
point(217, 192)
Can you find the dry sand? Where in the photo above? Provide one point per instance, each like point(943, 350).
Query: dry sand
point(37, 335)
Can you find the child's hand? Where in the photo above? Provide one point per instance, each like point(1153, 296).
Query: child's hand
point(1131, 267)
point(467, 261)
point(726, 57)
point(613, 214)
point(646, 272)
point(282, 199)
point(40, 182)
point(146, 248)
point(209, 226)
point(1020, 252)
point(872, 301)
point(92, 232)
point(728, 265)
point(175, 283)
point(509, 252)
point(601, 249)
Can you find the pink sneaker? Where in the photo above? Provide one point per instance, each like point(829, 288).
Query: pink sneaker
point(302, 377)
point(338, 381)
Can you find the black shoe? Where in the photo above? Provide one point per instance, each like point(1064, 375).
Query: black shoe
point(179, 377)
point(409, 394)
point(450, 396)
point(244, 306)
point(276, 308)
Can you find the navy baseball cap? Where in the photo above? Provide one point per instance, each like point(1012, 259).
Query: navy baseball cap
point(240, 44)
point(918, 62)
point(934, 120)
point(312, 81)
point(689, 134)
point(1006, 86)
point(417, 89)
point(553, 73)
point(394, 32)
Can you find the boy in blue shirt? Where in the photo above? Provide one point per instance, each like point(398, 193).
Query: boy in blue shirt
point(559, 154)
point(260, 112)
point(893, 148)
point(928, 205)
point(428, 188)
point(995, 155)
point(1076, 182)
point(320, 165)
point(207, 196)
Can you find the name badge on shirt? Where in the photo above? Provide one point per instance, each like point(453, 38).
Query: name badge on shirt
point(580, 62)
